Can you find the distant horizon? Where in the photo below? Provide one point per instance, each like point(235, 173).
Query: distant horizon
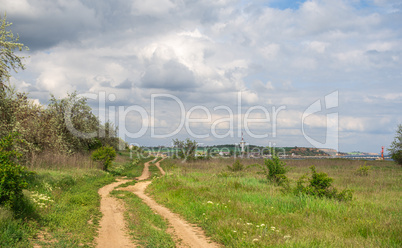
point(171, 146)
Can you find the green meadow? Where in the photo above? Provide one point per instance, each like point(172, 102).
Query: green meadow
point(244, 209)
point(60, 208)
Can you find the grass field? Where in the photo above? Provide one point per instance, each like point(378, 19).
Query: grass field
point(236, 209)
point(60, 208)
point(243, 209)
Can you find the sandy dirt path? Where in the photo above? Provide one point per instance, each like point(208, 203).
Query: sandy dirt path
point(112, 232)
point(185, 234)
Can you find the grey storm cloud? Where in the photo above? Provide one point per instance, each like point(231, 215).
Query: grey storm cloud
point(170, 75)
point(126, 84)
point(205, 52)
point(44, 24)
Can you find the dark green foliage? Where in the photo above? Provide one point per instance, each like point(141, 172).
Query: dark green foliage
point(396, 147)
point(320, 185)
point(11, 233)
point(105, 155)
point(186, 149)
point(237, 166)
point(12, 175)
point(275, 169)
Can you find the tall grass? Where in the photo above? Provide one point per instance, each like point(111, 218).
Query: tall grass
point(246, 210)
point(54, 160)
point(60, 207)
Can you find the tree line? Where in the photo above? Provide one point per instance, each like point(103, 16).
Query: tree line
point(45, 128)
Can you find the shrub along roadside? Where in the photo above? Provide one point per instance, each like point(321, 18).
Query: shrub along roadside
point(104, 155)
point(12, 175)
point(320, 183)
point(321, 186)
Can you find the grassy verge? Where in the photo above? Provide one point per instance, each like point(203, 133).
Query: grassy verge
point(60, 209)
point(244, 210)
point(61, 205)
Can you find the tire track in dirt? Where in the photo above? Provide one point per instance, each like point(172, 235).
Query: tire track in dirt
point(185, 234)
point(112, 232)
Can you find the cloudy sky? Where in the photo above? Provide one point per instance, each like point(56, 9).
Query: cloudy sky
point(285, 73)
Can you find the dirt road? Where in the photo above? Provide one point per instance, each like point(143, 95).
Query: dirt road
point(112, 226)
point(185, 234)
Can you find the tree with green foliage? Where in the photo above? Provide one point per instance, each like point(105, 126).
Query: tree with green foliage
point(12, 175)
point(65, 126)
point(8, 60)
point(396, 146)
point(186, 149)
point(78, 127)
point(105, 155)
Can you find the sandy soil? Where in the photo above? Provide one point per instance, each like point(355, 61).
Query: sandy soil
point(112, 233)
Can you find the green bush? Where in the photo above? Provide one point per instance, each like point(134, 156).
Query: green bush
point(237, 166)
point(135, 161)
point(363, 170)
point(12, 175)
point(320, 185)
point(105, 155)
point(275, 169)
